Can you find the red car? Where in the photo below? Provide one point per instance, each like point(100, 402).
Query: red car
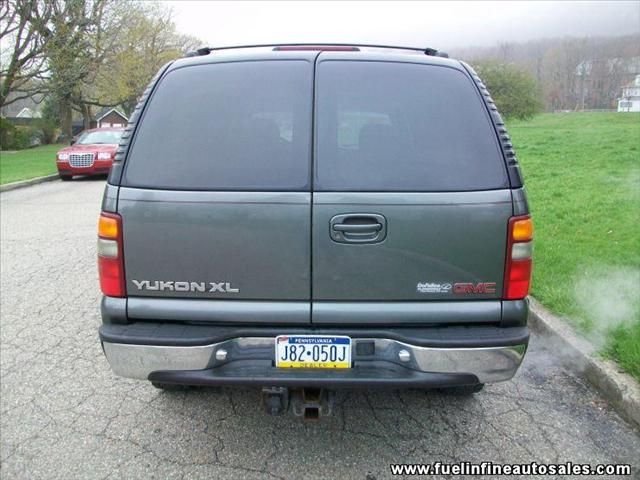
point(91, 154)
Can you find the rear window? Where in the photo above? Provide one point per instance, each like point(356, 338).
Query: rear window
point(226, 126)
point(385, 126)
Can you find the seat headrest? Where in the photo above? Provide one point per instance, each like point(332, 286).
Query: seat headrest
point(377, 137)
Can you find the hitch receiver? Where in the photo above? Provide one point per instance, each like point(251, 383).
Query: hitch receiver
point(312, 403)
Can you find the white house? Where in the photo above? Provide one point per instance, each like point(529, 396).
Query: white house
point(28, 113)
point(111, 117)
point(630, 99)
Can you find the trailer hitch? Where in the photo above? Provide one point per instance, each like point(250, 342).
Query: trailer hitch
point(308, 403)
point(312, 403)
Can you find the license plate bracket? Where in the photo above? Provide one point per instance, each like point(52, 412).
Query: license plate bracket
point(313, 351)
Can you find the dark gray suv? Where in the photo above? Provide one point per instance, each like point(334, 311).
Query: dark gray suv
point(303, 218)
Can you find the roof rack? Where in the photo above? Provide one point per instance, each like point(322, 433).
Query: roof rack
point(432, 52)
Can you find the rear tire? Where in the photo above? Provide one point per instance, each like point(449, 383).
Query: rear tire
point(463, 390)
point(66, 178)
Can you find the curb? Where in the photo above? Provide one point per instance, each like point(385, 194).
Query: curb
point(622, 391)
point(25, 183)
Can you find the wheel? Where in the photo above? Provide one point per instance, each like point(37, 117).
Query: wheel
point(463, 390)
point(66, 178)
point(168, 387)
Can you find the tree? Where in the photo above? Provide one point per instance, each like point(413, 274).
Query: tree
point(84, 53)
point(102, 53)
point(22, 40)
point(79, 34)
point(147, 40)
point(574, 73)
point(515, 92)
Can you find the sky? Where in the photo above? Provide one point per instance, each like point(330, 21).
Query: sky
point(441, 25)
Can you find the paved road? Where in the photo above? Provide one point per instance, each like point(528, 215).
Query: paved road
point(65, 415)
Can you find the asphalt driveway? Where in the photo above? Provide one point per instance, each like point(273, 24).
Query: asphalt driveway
point(65, 415)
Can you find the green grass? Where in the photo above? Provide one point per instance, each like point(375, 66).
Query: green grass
point(582, 174)
point(28, 163)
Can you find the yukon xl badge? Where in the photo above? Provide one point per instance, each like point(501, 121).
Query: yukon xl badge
point(202, 287)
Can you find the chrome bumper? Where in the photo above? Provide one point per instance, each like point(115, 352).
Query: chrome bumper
point(489, 364)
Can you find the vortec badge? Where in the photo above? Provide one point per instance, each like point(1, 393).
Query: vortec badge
point(428, 287)
point(171, 286)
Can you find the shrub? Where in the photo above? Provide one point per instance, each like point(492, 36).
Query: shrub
point(48, 130)
point(7, 132)
point(48, 123)
point(14, 137)
point(21, 138)
point(515, 91)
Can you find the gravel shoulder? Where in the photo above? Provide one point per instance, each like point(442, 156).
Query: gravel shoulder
point(65, 415)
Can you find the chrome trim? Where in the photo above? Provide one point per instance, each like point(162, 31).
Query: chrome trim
point(138, 361)
point(80, 160)
point(489, 364)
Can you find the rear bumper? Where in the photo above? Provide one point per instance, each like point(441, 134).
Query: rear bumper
point(436, 358)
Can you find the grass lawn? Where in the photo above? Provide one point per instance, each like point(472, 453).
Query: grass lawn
point(28, 163)
point(582, 174)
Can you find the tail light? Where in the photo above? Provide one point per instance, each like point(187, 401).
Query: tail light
point(517, 272)
point(110, 259)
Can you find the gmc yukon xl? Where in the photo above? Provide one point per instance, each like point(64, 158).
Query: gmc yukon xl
point(302, 218)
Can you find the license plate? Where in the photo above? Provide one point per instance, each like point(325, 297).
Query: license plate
point(313, 351)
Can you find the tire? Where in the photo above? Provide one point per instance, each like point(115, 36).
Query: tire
point(463, 390)
point(66, 178)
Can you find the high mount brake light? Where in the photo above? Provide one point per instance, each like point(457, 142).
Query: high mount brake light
point(327, 48)
point(110, 259)
point(517, 272)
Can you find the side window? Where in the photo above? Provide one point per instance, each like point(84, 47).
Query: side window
point(387, 126)
point(226, 126)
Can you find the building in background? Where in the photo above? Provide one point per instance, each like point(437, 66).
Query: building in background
point(111, 118)
point(630, 99)
point(107, 117)
point(28, 113)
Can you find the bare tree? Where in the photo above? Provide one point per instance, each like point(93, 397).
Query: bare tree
point(505, 50)
point(75, 48)
point(102, 53)
point(146, 40)
point(22, 40)
point(574, 73)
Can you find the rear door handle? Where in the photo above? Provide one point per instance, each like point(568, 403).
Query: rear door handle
point(358, 228)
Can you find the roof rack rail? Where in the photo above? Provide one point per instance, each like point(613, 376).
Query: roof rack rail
point(432, 52)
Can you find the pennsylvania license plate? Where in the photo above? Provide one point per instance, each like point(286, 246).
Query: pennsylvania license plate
point(313, 351)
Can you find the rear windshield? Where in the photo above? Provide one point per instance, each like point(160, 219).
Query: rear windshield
point(385, 126)
point(226, 126)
